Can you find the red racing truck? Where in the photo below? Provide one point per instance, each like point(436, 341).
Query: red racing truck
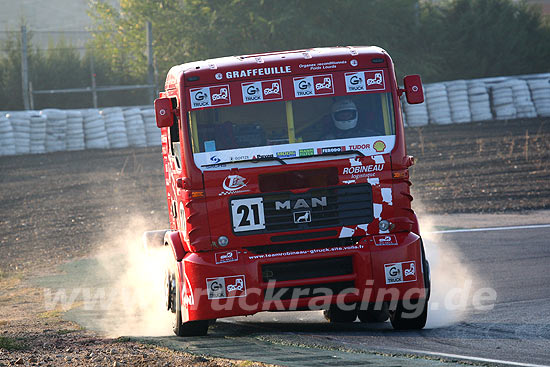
point(288, 189)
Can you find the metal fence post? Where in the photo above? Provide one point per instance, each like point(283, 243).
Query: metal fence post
point(24, 68)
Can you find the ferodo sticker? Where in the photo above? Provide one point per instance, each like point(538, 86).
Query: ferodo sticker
point(210, 96)
point(226, 287)
point(226, 257)
point(402, 272)
point(385, 240)
point(363, 81)
point(309, 86)
point(268, 90)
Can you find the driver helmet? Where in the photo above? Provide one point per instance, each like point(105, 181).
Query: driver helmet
point(344, 114)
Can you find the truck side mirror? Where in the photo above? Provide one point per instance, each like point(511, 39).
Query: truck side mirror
point(163, 112)
point(413, 89)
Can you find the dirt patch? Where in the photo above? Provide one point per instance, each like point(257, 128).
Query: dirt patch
point(489, 167)
point(56, 207)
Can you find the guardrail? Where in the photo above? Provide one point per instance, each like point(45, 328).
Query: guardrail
point(459, 101)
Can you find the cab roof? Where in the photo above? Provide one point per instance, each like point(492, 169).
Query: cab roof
point(301, 61)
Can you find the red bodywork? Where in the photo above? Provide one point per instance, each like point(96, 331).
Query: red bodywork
point(237, 279)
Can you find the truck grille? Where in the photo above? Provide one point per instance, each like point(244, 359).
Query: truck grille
point(307, 269)
point(306, 291)
point(327, 207)
point(302, 246)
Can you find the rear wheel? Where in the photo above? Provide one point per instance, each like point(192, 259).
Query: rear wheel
point(374, 313)
point(336, 314)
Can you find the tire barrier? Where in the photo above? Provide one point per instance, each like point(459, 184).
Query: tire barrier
point(115, 127)
point(459, 101)
point(75, 130)
point(56, 129)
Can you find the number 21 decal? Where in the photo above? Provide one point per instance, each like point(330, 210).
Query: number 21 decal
point(248, 214)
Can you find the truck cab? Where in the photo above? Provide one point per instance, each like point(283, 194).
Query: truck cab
point(288, 189)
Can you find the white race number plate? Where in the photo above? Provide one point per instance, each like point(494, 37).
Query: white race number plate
point(248, 214)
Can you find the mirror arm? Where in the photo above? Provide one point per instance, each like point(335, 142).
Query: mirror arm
point(400, 91)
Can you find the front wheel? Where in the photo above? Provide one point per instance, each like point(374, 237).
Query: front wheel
point(189, 328)
point(409, 316)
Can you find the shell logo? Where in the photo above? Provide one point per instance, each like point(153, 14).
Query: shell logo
point(379, 146)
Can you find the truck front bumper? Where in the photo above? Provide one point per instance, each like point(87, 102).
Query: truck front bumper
point(237, 282)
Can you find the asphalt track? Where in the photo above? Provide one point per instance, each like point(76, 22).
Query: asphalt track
point(513, 330)
point(513, 261)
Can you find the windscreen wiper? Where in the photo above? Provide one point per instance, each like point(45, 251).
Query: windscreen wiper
point(253, 160)
point(341, 152)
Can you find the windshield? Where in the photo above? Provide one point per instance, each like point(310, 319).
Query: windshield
point(295, 121)
point(291, 117)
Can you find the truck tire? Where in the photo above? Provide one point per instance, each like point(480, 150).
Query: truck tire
point(336, 314)
point(401, 318)
point(189, 328)
point(372, 315)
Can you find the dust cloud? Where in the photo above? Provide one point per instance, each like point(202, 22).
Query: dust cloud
point(129, 297)
point(455, 284)
point(130, 301)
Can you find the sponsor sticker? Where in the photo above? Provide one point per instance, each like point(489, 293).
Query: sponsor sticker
point(258, 72)
point(306, 152)
point(385, 240)
point(226, 287)
point(260, 156)
point(402, 272)
point(362, 169)
point(234, 183)
point(215, 159)
point(379, 146)
point(262, 91)
point(210, 96)
point(226, 257)
point(309, 86)
point(330, 150)
point(365, 81)
point(288, 154)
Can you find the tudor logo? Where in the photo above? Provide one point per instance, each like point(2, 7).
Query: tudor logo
point(301, 204)
point(234, 182)
point(219, 76)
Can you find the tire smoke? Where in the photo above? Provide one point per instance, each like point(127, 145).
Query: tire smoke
point(134, 283)
point(455, 285)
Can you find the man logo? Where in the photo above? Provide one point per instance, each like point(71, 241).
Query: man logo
point(302, 217)
point(301, 204)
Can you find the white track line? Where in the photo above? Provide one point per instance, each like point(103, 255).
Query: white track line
point(469, 358)
point(491, 229)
